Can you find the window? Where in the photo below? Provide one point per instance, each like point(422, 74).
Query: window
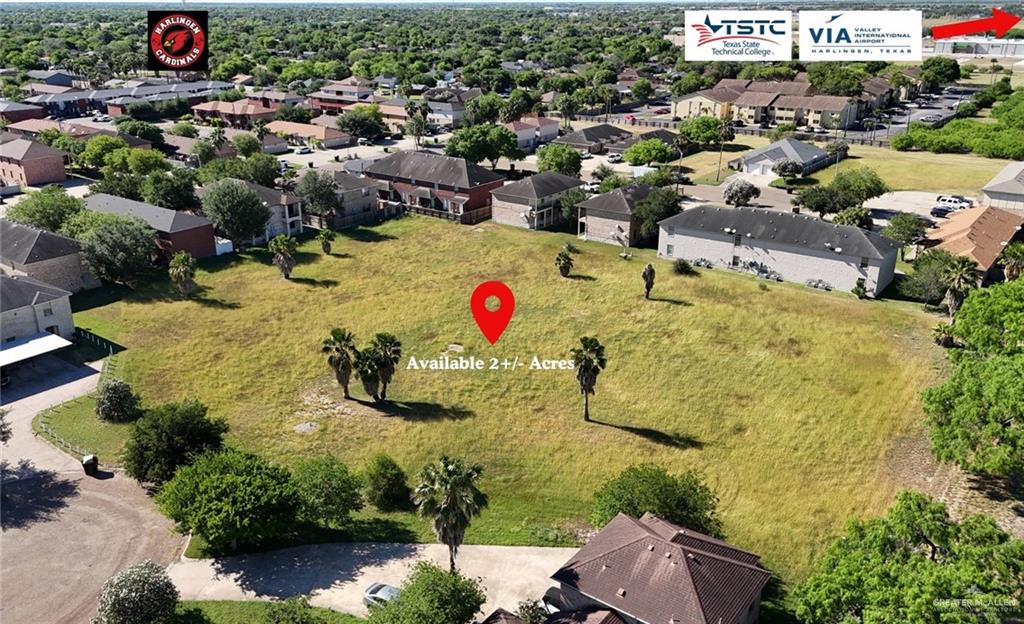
point(671, 230)
point(863, 263)
point(669, 249)
point(737, 239)
point(735, 261)
point(48, 311)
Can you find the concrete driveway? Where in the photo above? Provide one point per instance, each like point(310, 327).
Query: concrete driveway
point(773, 198)
point(63, 534)
point(335, 575)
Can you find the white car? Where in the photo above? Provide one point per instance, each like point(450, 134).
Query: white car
point(379, 593)
point(591, 187)
point(614, 158)
point(585, 155)
point(956, 202)
point(304, 150)
point(363, 141)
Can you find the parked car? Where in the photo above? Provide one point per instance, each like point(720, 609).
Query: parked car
point(584, 155)
point(304, 150)
point(614, 158)
point(940, 212)
point(956, 202)
point(737, 123)
point(820, 130)
point(591, 187)
point(379, 593)
point(809, 129)
point(363, 141)
point(662, 111)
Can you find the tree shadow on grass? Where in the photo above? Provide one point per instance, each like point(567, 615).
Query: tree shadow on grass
point(191, 615)
point(418, 410)
point(365, 235)
point(200, 296)
point(674, 440)
point(1006, 490)
point(31, 495)
point(302, 570)
point(317, 283)
point(774, 608)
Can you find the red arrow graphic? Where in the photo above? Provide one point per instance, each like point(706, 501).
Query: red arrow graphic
point(1001, 22)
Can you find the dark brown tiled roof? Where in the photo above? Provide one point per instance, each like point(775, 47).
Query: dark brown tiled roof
point(586, 616)
point(637, 569)
point(617, 204)
point(501, 616)
point(756, 98)
point(784, 88)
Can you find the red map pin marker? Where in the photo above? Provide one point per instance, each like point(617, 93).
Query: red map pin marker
point(492, 324)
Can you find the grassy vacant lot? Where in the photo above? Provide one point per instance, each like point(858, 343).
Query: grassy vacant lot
point(242, 612)
point(921, 171)
point(787, 400)
point(701, 167)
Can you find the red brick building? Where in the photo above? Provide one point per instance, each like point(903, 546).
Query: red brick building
point(176, 230)
point(240, 114)
point(435, 185)
point(27, 163)
point(13, 112)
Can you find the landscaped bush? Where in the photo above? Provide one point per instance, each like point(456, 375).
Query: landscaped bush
point(386, 486)
point(141, 594)
point(169, 437)
point(294, 610)
point(231, 498)
point(115, 402)
point(683, 267)
point(329, 492)
point(682, 499)
point(432, 595)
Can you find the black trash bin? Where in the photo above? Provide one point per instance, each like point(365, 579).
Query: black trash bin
point(91, 465)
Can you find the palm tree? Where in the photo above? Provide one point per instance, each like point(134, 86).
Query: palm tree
point(182, 271)
point(326, 237)
point(340, 348)
point(942, 334)
point(588, 360)
point(1013, 260)
point(387, 351)
point(218, 137)
point(960, 276)
point(283, 247)
point(369, 374)
point(564, 263)
point(259, 128)
point(447, 492)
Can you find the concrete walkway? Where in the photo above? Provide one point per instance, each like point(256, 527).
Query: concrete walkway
point(335, 575)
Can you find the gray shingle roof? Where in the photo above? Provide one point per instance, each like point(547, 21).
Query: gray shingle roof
point(7, 106)
point(603, 133)
point(160, 219)
point(784, 228)
point(537, 186)
point(618, 204)
point(18, 292)
point(650, 570)
point(432, 169)
point(20, 244)
point(803, 153)
point(1009, 180)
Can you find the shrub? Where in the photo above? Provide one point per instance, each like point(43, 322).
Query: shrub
point(115, 402)
point(386, 487)
point(682, 499)
point(683, 267)
point(432, 595)
point(141, 594)
point(329, 492)
point(230, 498)
point(169, 437)
point(294, 610)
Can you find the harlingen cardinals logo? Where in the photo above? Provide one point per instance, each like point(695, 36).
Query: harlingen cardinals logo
point(178, 40)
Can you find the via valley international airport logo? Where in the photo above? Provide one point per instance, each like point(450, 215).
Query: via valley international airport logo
point(739, 36)
point(860, 35)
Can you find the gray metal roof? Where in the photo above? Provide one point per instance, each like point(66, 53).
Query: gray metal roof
point(20, 244)
point(784, 228)
point(803, 153)
point(160, 219)
point(1009, 180)
point(18, 292)
point(432, 169)
point(537, 186)
point(137, 92)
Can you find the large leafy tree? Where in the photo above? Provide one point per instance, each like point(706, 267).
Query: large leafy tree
point(976, 418)
point(318, 191)
point(706, 131)
point(168, 437)
point(174, 190)
point(560, 159)
point(991, 320)
point(432, 595)
point(682, 499)
point(1013, 260)
point(97, 149)
point(484, 142)
point(236, 210)
point(484, 109)
point(588, 360)
point(905, 228)
point(46, 209)
point(119, 250)
point(340, 348)
point(739, 192)
point(914, 565)
point(328, 491)
point(448, 493)
point(364, 120)
point(230, 498)
point(660, 203)
point(648, 151)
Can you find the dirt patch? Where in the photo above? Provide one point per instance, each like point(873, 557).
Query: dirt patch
point(911, 463)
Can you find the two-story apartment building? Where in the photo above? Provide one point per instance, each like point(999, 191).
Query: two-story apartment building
point(30, 308)
point(356, 200)
point(239, 114)
point(435, 185)
point(798, 247)
point(285, 211)
point(25, 162)
point(44, 256)
point(611, 217)
point(176, 230)
point(335, 97)
point(532, 202)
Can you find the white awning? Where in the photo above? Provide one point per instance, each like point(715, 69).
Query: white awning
point(30, 347)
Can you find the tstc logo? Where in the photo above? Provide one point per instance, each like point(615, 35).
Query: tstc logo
point(739, 36)
point(860, 35)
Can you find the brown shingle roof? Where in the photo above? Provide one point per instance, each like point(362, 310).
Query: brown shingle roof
point(24, 150)
point(978, 233)
point(430, 168)
point(784, 88)
point(756, 98)
point(241, 107)
point(635, 568)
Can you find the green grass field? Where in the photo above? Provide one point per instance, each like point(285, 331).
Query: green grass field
point(702, 166)
point(921, 171)
point(242, 612)
point(788, 400)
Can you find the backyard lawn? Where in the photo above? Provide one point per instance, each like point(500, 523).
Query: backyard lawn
point(921, 171)
point(701, 166)
point(787, 400)
point(243, 612)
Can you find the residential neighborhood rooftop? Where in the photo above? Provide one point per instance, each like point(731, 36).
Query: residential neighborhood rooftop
point(160, 219)
point(21, 244)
